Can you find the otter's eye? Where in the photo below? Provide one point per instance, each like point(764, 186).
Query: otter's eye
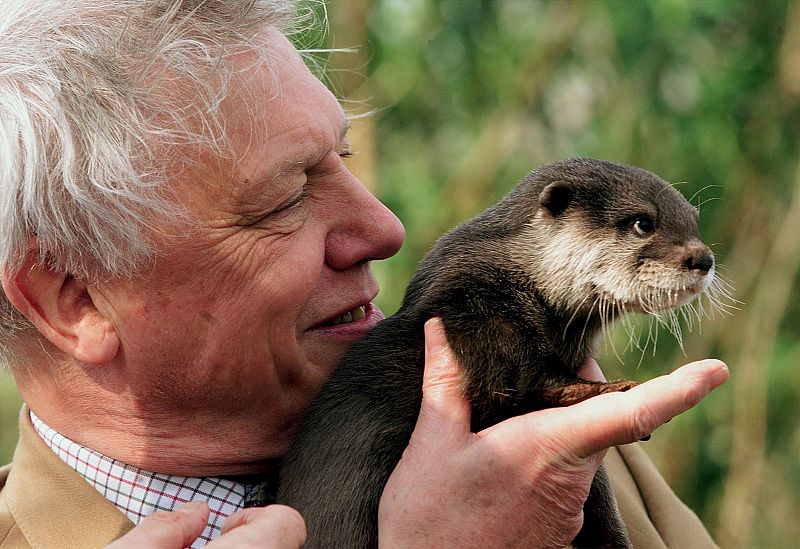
point(644, 226)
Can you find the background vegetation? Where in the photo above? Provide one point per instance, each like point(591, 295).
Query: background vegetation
point(469, 95)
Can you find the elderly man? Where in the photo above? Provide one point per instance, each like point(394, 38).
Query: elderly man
point(185, 257)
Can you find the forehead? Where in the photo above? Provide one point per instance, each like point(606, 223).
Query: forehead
point(277, 117)
point(276, 94)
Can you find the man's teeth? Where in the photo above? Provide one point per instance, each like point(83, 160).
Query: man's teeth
point(356, 314)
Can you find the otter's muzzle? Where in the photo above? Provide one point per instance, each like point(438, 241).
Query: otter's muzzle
point(699, 258)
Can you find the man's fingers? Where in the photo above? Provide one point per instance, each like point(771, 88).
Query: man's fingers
point(621, 418)
point(443, 401)
point(271, 527)
point(641, 410)
point(167, 530)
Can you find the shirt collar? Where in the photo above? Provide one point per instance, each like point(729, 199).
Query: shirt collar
point(138, 492)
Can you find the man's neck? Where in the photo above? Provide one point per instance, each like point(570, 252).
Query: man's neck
point(178, 442)
point(190, 449)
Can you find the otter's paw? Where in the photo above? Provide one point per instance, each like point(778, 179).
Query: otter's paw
point(573, 393)
point(617, 386)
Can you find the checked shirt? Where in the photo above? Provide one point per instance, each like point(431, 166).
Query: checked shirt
point(138, 493)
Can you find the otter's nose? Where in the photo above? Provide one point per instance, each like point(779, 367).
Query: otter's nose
point(700, 262)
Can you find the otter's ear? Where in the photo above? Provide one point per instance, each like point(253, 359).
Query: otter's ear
point(61, 309)
point(556, 197)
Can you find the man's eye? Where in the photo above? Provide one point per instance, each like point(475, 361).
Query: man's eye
point(296, 201)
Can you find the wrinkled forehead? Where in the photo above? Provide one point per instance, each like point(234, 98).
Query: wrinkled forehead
point(267, 77)
point(276, 115)
point(245, 87)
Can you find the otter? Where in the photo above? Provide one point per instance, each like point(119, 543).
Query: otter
point(524, 291)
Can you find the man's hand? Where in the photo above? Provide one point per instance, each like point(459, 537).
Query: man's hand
point(522, 482)
point(271, 527)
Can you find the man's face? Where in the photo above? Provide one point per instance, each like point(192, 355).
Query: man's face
point(235, 325)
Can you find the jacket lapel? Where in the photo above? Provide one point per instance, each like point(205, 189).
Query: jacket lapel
point(53, 505)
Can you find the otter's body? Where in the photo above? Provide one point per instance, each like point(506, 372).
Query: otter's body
point(524, 291)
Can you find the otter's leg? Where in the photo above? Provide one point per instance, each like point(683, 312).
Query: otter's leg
point(573, 393)
point(602, 522)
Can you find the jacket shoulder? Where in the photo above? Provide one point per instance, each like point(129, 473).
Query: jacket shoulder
point(4, 470)
point(10, 534)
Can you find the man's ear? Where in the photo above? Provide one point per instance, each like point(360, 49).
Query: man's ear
point(60, 307)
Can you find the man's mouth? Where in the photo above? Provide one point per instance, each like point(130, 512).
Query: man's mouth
point(350, 316)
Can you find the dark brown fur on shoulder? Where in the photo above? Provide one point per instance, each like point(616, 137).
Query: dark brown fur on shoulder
point(524, 291)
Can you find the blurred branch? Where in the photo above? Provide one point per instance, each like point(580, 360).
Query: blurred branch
point(352, 86)
point(477, 174)
point(768, 309)
point(750, 380)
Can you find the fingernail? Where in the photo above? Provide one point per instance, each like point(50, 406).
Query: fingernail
point(190, 507)
point(720, 375)
point(434, 338)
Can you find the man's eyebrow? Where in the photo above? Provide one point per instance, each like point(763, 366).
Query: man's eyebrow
point(292, 166)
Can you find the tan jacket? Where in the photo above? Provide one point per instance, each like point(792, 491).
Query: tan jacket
point(45, 504)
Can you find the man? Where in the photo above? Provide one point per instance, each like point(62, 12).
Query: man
point(181, 242)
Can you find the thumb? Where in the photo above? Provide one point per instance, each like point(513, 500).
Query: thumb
point(172, 530)
point(444, 407)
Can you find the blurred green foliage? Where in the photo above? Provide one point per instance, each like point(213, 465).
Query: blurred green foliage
point(469, 95)
point(10, 402)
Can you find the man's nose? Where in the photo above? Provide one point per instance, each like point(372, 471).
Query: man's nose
point(365, 230)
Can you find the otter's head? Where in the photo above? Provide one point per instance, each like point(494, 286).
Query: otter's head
point(609, 238)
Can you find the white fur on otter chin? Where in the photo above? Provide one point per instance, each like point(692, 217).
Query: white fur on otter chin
point(584, 269)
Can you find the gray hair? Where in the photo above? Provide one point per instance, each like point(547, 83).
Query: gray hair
point(92, 94)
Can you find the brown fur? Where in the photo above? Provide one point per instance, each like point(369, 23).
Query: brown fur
point(524, 291)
